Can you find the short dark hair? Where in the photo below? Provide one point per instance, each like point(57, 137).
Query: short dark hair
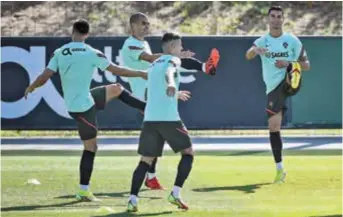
point(275, 8)
point(81, 26)
point(137, 16)
point(170, 36)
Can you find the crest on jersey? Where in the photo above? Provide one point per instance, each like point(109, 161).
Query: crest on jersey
point(285, 44)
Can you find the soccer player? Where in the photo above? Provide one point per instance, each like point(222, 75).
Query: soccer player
point(137, 55)
point(283, 57)
point(162, 122)
point(75, 62)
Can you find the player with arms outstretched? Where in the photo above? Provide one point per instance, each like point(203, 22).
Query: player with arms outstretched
point(137, 55)
point(75, 63)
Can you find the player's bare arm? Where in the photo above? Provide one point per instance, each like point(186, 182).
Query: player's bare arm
point(149, 57)
point(254, 51)
point(281, 63)
point(152, 57)
point(40, 81)
point(187, 54)
point(209, 67)
point(122, 71)
point(304, 61)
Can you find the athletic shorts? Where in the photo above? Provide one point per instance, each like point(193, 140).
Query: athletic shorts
point(276, 99)
point(87, 123)
point(155, 133)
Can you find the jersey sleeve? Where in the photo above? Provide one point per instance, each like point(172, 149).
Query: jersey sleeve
point(53, 63)
point(259, 42)
point(134, 50)
point(101, 60)
point(298, 47)
point(174, 62)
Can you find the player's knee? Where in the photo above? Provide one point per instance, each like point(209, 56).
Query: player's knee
point(188, 151)
point(147, 160)
point(93, 148)
point(274, 127)
point(90, 145)
point(274, 122)
point(114, 90)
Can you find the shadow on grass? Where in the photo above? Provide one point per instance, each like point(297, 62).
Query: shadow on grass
point(122, 214)
point(109, 195)
point(34, 207)
point(248, 189)
point(68, 205)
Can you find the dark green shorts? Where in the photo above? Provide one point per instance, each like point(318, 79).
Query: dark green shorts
point(99, 96)
point(277, 98)
point(155, 134)
point(87, 123)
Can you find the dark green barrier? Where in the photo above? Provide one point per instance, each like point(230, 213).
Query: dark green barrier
point(320, 99)
point(234, 98)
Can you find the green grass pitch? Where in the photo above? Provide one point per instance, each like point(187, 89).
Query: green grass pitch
point(220, 184)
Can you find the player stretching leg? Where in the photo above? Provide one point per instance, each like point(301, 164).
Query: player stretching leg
point(75, 63)
point(283, 57)
point(137, 55)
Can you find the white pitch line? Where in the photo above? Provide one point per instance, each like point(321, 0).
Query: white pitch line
point(197, 147)
point(192, 137)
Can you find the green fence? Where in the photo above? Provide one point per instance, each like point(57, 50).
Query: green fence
point(320, 100)
point(235, 96)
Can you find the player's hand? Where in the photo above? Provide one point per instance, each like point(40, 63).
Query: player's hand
point(184, 95)
point(260, 50)
point(171, 91)
point(281, 64)
point(144, 75)
point(187, 54)
point(27, 91)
